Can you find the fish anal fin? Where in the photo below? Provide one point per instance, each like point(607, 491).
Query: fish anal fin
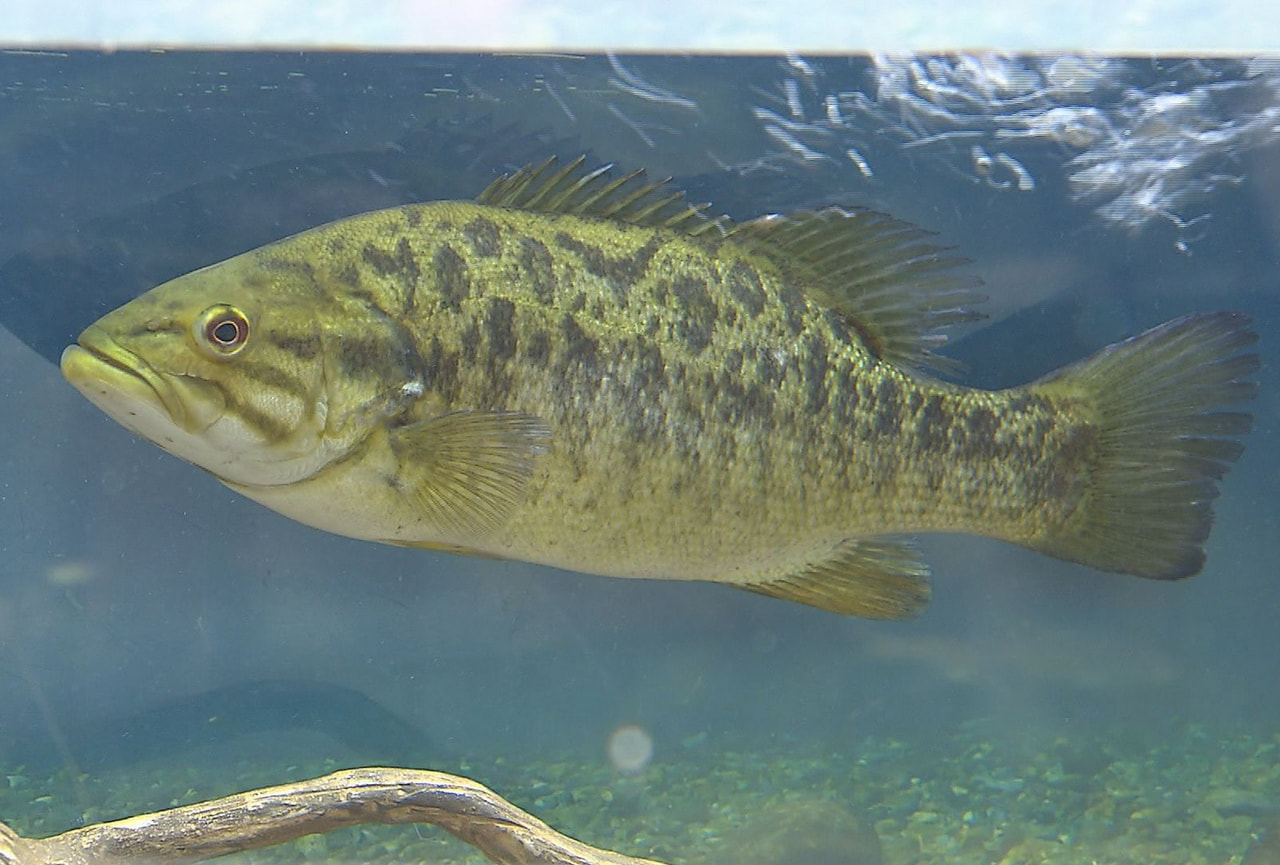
point(870, 578)
point(898, 289)
point(466, 471)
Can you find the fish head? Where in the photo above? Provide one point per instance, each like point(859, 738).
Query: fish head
point(230, 368)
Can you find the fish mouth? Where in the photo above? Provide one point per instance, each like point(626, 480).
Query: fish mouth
point(107, 372)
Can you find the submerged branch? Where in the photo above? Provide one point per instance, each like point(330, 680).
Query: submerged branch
point(274, 815)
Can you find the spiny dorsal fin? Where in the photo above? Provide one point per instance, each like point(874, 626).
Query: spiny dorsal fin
point(884, 276)
point(873, 578)
point(630, 198)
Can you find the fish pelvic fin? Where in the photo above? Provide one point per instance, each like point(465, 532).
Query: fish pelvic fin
point(1162, 443)
point(871, 578)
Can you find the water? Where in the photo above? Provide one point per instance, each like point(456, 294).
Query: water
point(164, 641)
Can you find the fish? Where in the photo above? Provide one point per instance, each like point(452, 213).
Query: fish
point(580, 369)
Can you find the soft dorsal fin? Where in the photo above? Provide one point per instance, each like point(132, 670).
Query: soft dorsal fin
point(885, 277)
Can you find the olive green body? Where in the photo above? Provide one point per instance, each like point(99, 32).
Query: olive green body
point(708, 420)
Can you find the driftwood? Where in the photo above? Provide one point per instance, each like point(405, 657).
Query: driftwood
point(274, 815)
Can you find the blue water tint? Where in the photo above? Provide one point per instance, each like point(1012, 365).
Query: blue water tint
point(143, 606)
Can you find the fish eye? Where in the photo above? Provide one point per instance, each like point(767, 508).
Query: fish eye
point(223, 329)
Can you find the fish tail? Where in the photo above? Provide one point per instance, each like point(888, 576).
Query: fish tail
point(1162, 443)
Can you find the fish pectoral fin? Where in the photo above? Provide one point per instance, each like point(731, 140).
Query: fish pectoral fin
point(871, 578)
point(466, 471)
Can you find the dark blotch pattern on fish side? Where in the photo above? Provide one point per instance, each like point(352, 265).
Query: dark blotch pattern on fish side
point(400, 269)
point(484, 237)
point(367, 358)
point(535, 347)
point(843, 399)
point(815, 373)
point(933, 425)
point(501, 344)
point(689, 405)
point(738, 404)
point(499, 325)
point(452, 277)
point(1058, 473)
point(648, 369)
point(397, 264)
point(981, 423)
point(973, 435)
point(794, 307)
point(888, 408)
point(696, 319)
point(536, 266)
point(440, 371)
point(470, 337)
point(768, 368)
point(577, 354)
point(348, 274)
point(644, 387)
point(620, 271)
point(274, 264)
point(1073, 458)
point(746, 288)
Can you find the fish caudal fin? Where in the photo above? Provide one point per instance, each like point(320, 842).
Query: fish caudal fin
point(1162, 443)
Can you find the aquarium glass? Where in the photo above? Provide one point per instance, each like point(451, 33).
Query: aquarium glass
point(164, 640)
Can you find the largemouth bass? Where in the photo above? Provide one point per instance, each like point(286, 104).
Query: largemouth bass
point(585, 372)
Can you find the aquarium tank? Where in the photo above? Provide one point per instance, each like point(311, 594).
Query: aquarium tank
point(887, 474)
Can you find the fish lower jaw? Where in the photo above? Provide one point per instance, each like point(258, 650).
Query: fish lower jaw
point(118, 390)
point(104, 371)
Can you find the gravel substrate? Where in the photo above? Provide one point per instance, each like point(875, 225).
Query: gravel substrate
point(1185, 794)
